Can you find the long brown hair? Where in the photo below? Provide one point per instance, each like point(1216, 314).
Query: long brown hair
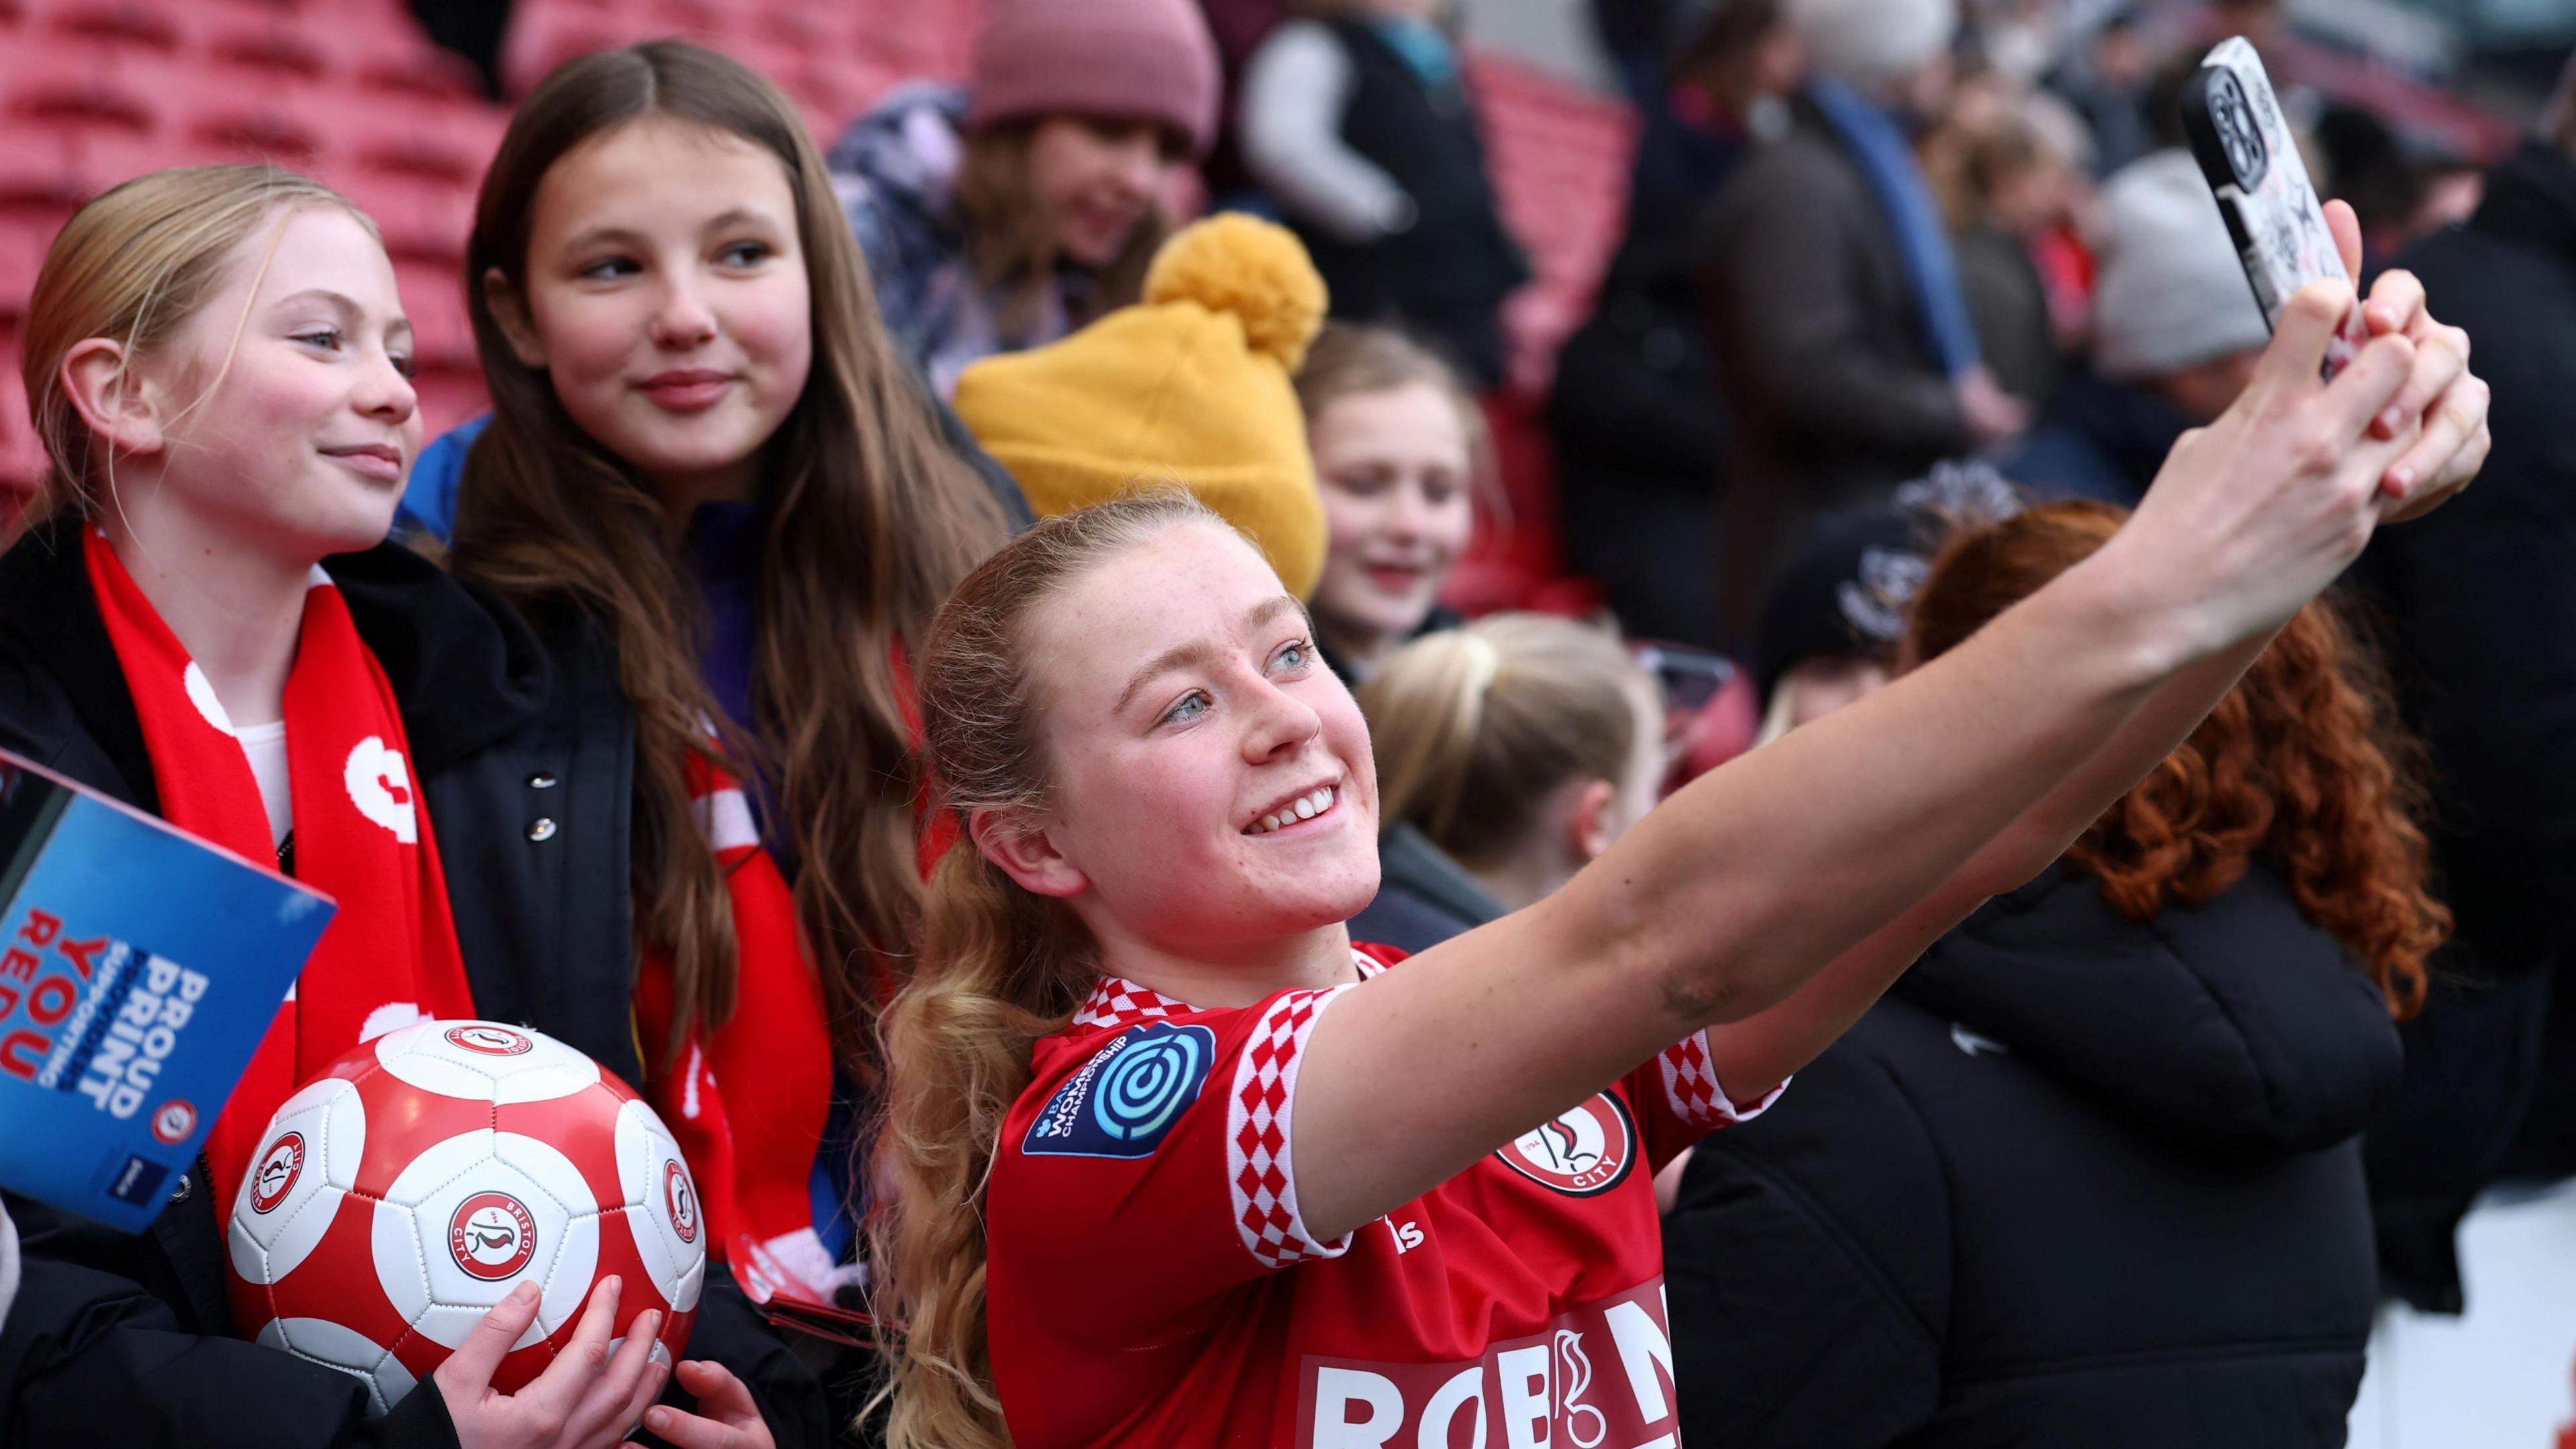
point(1010, 242)
point(135, 264)
point(870, 520)
point(1476, 727)
point(2302, 766)
point(999, 969)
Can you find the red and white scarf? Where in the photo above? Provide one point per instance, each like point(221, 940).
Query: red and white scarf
point(748, 1100)
point(389, 957)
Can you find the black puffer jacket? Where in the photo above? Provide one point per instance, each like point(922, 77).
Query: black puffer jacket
point(2077, 1182)
point(128, 1340)
point(2479, 606)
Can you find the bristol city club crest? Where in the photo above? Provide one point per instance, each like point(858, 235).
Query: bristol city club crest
point(492, 1236)
point(682, 1200)
point(278, 1169)
point(1583, 1153)
point(491, 1041)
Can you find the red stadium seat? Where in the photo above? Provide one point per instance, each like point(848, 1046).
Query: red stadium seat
point(22, 457)
point(449, 396)
point(70, 100)
point(546, 33)
point(24, 236)
point(120, 24)
point(433, 297)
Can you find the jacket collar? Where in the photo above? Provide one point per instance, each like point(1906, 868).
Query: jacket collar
point(464, 668)
point(1407, 857)
point(2235, 1026)
point(2531, 197)
point(49, 619)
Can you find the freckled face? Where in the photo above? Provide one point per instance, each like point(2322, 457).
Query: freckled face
point(1213, 779)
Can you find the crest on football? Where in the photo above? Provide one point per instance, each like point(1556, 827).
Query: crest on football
point(424, 1176)
point(681, 1199)
point(490, 1040)
point(276, 1173)
point(492, 1236)
point(1583, 1152)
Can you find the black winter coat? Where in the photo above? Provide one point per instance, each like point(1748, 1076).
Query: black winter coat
point(2479, 601)
point(1833, 395)
point(2077, 1181)
point(1447, 274)
point(524, 749)
point(1423, 896)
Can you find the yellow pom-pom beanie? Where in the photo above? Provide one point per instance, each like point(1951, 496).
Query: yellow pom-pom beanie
point(1191, 386)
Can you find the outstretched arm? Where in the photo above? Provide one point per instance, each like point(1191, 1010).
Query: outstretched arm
point(2441, 412)
point(1742, 888)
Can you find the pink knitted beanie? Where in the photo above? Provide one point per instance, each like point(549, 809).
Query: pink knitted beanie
point(1150, 60)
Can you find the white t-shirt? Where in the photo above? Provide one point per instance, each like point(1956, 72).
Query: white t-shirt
point(266, 747)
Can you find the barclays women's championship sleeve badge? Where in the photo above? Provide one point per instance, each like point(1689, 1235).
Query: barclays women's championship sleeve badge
point(1127, 1096)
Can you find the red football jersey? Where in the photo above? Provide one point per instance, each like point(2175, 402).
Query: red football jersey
point(1152, 1283)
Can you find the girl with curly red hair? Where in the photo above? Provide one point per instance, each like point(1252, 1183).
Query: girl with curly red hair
point(2090, 1174)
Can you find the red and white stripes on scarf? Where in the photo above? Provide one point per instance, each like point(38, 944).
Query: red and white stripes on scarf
point(748, 1099)
point(389, 957)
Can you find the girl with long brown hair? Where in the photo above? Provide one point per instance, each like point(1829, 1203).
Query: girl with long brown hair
point(1169, 1163)
point(2091, 1175)
point(200, 617)
point(1005, 213)
point(710, 481)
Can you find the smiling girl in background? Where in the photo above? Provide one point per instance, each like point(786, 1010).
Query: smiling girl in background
point(1006, 214)
point(711, 485)
point(1398, 445)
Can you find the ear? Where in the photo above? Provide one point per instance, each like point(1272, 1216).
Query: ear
point(510, 310)
point(1588, 826)
point(114, 403)
point(1027, 853)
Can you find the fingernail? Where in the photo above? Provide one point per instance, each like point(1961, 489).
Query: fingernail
point(2401, 482)
point(524, 1293)
point(657, 1418)
point(2389, 420)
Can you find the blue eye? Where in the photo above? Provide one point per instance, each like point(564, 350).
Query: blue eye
point(1191, 706)
point(607, 269)
point(1293, 656)
point(326, 338)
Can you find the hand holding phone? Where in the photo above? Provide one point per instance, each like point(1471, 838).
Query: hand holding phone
point(2253, 167)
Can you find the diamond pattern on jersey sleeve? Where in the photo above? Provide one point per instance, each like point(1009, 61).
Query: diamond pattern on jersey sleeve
point(1690, 1087)
point(1258, 1165)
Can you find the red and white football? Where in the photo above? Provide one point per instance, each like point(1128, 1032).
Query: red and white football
point(423, 1176)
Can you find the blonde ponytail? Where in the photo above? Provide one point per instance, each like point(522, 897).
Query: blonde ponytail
point(999, 969)
point(1476, 727)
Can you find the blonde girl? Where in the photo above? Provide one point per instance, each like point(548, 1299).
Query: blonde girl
point(1512, 752)
point(200, 618)
point(1171, 1164)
